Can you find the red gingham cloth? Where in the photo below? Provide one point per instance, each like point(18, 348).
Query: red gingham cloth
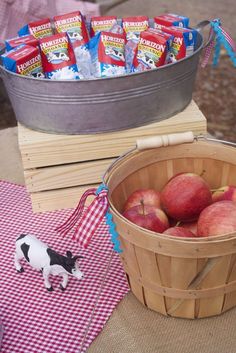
point(90, 220)
point(38, 321)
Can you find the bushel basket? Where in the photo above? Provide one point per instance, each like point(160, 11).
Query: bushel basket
point(181, 277)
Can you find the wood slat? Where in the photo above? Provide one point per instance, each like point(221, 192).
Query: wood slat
point(58, 177)
point(41, 149)
point(230, 298)
point(58, 199)
point(182, 272)
point(217, 276)
point(164, 266)
point(150, 272)
point(129, 260)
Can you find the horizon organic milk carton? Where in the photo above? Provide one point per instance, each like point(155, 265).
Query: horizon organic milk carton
point(24, 60)
point(184, 42)
point(170, 20)
point(58, 58)
point(102, 23)
point(107, 51)
point(151, 51)
point(74, 25)
point(15, 42)
point(38, 29)
point(133, 26)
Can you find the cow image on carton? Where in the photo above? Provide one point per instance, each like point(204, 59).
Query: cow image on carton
point(41, 257)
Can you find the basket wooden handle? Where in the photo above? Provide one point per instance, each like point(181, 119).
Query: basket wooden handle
point(164, 140)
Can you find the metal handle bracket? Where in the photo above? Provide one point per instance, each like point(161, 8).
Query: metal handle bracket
point(200, 26)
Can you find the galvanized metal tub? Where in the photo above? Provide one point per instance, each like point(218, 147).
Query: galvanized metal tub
point(101, 105)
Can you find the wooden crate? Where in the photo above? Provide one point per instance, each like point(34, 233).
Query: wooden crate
point(59, 168)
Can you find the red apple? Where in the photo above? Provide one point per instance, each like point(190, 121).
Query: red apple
point(179, 232)
point(225, 193)
point(185, 196)
point(146, 196)
point(218, 218)
point(192, 226)
point(148, 217)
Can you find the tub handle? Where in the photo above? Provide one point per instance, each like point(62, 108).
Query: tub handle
point(200, 26)
point(164, 140)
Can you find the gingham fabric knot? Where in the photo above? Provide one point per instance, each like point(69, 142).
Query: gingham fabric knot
point(222, 37)
point(86, 220)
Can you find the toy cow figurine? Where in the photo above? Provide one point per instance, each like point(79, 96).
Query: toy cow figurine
point(48, 261)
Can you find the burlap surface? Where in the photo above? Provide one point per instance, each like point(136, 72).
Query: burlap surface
point(132, 328)
point(10, 159)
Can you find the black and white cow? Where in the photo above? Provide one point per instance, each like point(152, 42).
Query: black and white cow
point(75, 36)
point(38, 75)
point(115, 54)
point(146, 60)
point(57, 56)
point(172, 58)
point(46, 260)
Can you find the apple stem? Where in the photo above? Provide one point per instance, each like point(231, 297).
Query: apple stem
point(142, 204)
point(178, 223)
point(202, 173)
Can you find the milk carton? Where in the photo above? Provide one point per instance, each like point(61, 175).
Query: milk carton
point(170, 19)
point(24, 60)
point(58, 57)
point(151, 51)
point(102, 24)
point(108, 54)
point(38, 29)
point(15, 42)
point(74, 25)
point(184, 42)
point(133, 26)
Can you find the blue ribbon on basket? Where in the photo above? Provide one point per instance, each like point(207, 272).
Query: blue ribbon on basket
point(110, 223)
point(86, 220)
point(221, 38)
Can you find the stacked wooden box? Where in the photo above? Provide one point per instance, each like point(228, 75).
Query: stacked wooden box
point(59, 168)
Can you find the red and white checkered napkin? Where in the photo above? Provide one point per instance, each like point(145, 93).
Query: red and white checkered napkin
point(38, 321)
